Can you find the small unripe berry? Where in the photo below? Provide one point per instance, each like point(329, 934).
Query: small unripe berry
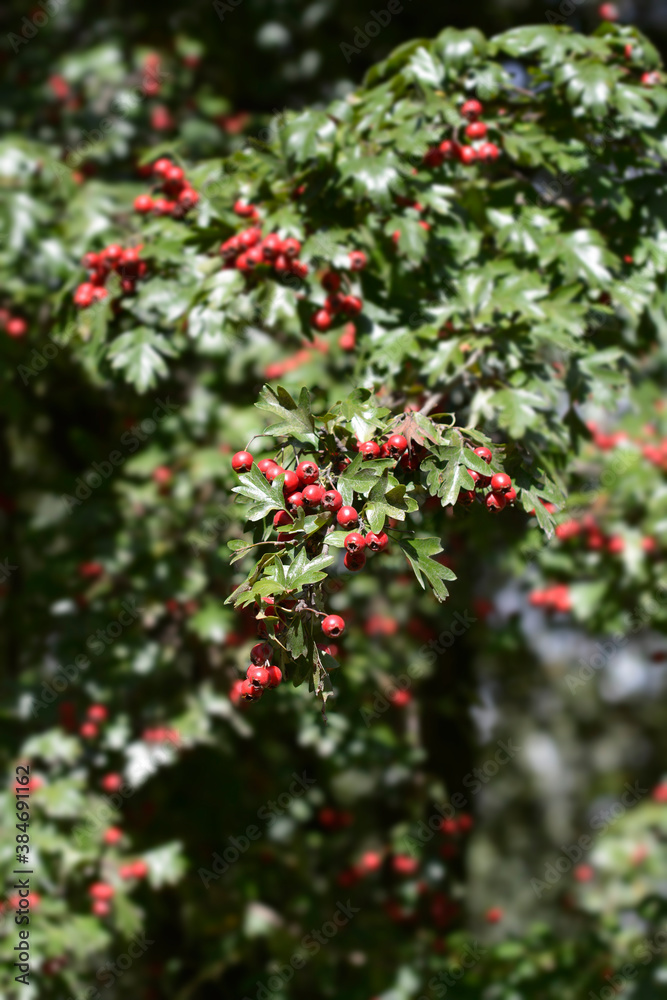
point(347, 517)
point(369, 449)
point(396, 445)
point(354, 561)
point(312, 495)
point(377, 543)
point(355, 542)
point(484, 453)
point(333, 626)
point(332, 500)
point(242, 461)
point(258, 675)
point(261, 652)
point(307, 472)
point(501, 482)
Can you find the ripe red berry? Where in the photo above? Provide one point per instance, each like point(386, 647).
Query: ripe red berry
point(273, 472)
point(100, 908)
point(332, 500)
point(396, 445)
point(495, 502)
point(447, 148)
point(113, 252)
point(16, 327)
point(295, 500)
point(321, 320)
point(348, 338)
point(265, 464)
point(351, 305)
point(334, 303)
point(143, 203)
point(261, 652)
point(501, 483)
point(333, 626)
point(291, 247)
point(330, 281)
point(275, 675)
point(161, 166)
point(467, 155)
point(249, 238)
point(471, 109)
point(258, 675)
point(254, 257)
point(242, 461)
point(162, 475)
point(476, 130)
point(650, 79)
point(484, 453)
point(249, 692)
point(188, 198)
point(377, 543)
point(291, 482)
point(298, 268)
point(112, 835)
point(97, 713)
point(369, 449)
point(510, 495)
point(347, 517)
point(355, 542)
point(488, 152)
point(88, 730)
point(101, 890)
point(312, 495)
point(273, 246)
point(354, 561)
point(281, 519)
point(139, 869)
point(308, 472)
point(243, 209)
point(608, 11)
point(466, 497)
point(112, 782)
point(433, 157)
point(357, 260)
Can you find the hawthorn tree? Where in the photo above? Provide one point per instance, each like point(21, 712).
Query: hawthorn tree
point(313, 448)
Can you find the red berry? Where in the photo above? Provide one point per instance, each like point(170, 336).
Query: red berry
point(355, 542)
point(281, 263)
point(471, 109)
point(281, 519)
point(476, 130)
point(347, 517)
point(273, 472)
point(139, 869)
point(291, 247)
point(258, 675)
point(321, 320)
point(334, 303)
point(308, 472)
point(188, 198)
point(249, 692)
point(501, 483)
point(162, 475)
point(101, 890)
point(354, 561)
point(291, 482)
point(348, 338)
point(100, 908)
point(433, 157)
point(113, 252)
point(358, 260)
point(396, 445)
point(466, 497)
point(242, 461)
point(377, 543)
point(161, 166)
point(330, 281)
point(488, 152)
point(261, 652)
point(333, 626)
point(112, 782)
point(295, 500)
point(495, 502)
point(510, 495)
point(608, 11)
point(369, 449)
point(351, 305)
point(88, 730)
point(97, 713)
point(272, 246)
point(650, 79)
point(112, 835)
point(447, 148)
point(484, 453)
point(298, 268)
point(312, 495)
point(249, 238)
point(275, 675)
point(16, 327)
point(332, 500)
point(265, 464)
point(243, 209)
point(467, 155)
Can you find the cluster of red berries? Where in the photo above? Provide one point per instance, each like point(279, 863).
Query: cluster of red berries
point(554, 598)
point(476, 131)
point(261, 673)
point(161, 734)
point(14, 326)
point(248, 250)
point(338, 303)
point(180, 196)
point(596, 539)
point(125, 263)
point(95, 716)
point(102, 893)
point(499, 485)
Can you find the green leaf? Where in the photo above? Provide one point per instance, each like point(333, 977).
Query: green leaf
point(424, 68)
point(304, 571)
point(266, 496)
point(419, 552)
point(139, 354)
point(294, 419)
